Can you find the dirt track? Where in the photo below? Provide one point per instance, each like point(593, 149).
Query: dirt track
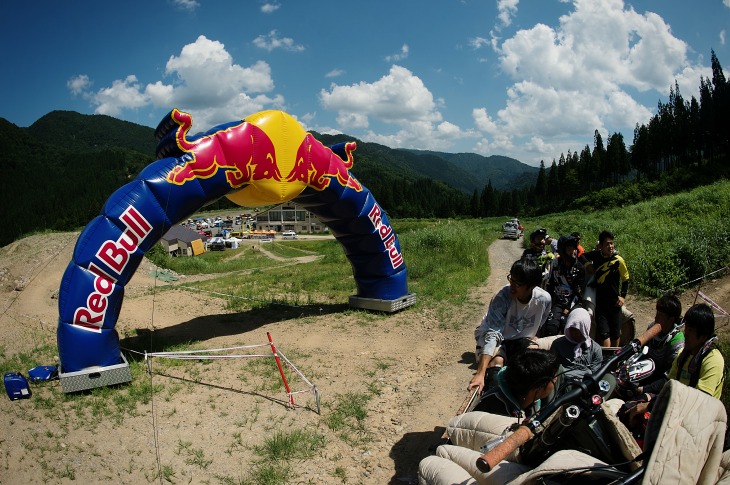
point(419, 361)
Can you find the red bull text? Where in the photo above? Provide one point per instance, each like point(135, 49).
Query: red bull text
point(386, 235)
point(115, 256)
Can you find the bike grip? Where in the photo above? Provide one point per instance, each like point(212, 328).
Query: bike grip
point(650, 333)
point(491, 458)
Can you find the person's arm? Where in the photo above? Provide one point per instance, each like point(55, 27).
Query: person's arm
point(654, 387)
point(623, 272)
point(596, 357)
point(711, 373)
point(489, 334)
point(478, 379)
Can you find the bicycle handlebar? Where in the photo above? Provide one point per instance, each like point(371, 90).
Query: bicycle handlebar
point(526, 431)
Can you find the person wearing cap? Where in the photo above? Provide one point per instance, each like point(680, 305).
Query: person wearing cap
point(551, 244)
point(537, 244)
point(578, 247)
point(565, 282)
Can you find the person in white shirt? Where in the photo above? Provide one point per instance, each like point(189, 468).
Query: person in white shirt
point(517, 311)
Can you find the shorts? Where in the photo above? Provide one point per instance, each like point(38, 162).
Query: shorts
point(608, 323)
point(512, 347)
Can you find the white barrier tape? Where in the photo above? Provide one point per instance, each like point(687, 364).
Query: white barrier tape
point(225, 349)
point(209, 357)
point(713, 304)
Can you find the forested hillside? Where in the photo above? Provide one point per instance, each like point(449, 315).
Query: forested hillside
point(60, 170)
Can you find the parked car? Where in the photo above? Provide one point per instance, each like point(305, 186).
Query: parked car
point(289, 235)
point(511, 231)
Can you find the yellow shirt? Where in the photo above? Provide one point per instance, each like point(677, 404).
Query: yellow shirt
point(711, 373)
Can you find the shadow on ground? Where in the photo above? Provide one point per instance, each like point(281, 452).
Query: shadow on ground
point(408, 452)
point(208, 327)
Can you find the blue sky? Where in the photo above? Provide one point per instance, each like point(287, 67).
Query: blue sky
point(525, 79)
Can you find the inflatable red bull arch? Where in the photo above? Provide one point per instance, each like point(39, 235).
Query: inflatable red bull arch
point(265, 159)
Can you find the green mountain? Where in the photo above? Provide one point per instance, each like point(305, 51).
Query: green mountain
point(505, 173)
point(72, 130)
point(63, 168)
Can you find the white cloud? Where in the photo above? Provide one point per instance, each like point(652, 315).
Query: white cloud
point(483, 121)
point(722, 35)
point(506, 9)
point(78, 84)
point(270, 7)
point(123, 94)
point(399, 98)
point(335, 73)
point(272, 41)
point(582, 74)
point(479, 42)
point(207, 83)
point(726, 3)
point(187, 4)
point(400, 56)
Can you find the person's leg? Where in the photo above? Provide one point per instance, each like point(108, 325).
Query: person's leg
point(552, 326)
point(614, 325)
point(602, 328)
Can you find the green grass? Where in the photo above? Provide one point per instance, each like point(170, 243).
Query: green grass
point(666, 242)
point(347, 415)
point(295, 444)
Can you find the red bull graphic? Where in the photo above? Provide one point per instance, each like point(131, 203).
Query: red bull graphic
point(316, 166)
point(115, 254)
point(386, 234)
point(91, 316)
point(257, 152)
point(265, 159)
point(231, 149)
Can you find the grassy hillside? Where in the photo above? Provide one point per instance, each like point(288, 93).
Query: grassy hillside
point(666, 241)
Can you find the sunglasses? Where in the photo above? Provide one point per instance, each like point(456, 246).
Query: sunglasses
point(513, 282)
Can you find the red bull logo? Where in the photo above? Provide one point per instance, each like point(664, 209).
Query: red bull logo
point(257, 152)
point(244, 150)
point(316, 165)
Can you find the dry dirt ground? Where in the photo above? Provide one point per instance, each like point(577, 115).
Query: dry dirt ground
point(203, 420)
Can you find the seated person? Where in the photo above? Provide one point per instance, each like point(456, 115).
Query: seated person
point(517, 310)
point(699, 365)
point(537, 244)
point(665, 347)
point(529, 377)
point(578, 353)
point(565, 282)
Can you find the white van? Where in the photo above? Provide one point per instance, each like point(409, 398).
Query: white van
point(289, 235)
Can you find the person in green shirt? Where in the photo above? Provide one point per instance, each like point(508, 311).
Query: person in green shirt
point(699, 365)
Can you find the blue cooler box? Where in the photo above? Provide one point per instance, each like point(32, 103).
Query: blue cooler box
point(16, 386)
